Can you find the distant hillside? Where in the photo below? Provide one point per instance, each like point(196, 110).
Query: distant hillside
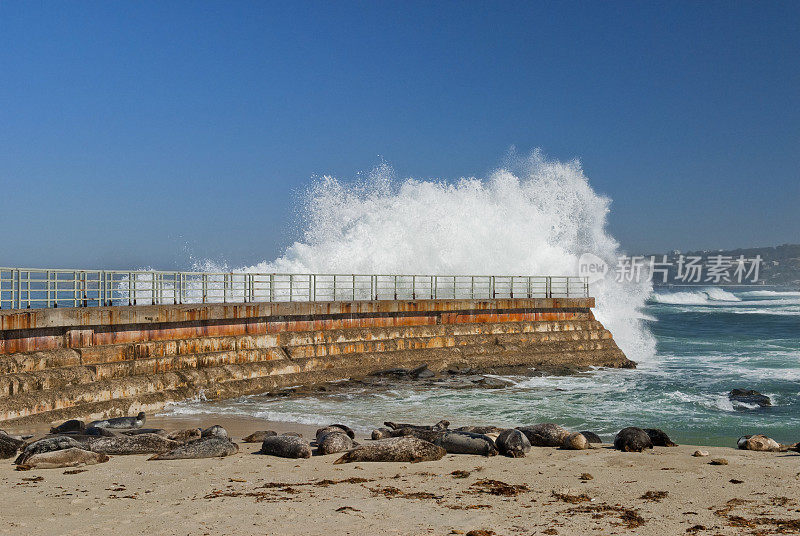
point(780, 264)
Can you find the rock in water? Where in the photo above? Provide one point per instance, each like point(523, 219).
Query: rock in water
point(576, 441)
point(749, 396)
point(659, 438)
point(71, 457)
point(137, 444)
point(513, 443)
point(285, 446)
point(121, 422)
point(759, 442)
point(591, 437)
point(632, 439)
point(72, 425)
point(208, 447)
point(544, 435)
point(260, 436)
point(467, 443)
point(214, 431)
point(48, 444)
point(395, 449)
point(334, 442)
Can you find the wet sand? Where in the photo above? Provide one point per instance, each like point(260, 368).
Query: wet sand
point(663, 491)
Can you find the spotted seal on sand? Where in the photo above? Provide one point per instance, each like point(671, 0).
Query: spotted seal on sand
point(659, 438)
point(184, 436)
point(137, 431)
point(48, 444)
point(207, 447)
point(576, 441)
point(98, 431)
point(394, 449)
point(285, 446)
point(591, 437)
point(441, 425)
point(9, 445)
point(121, 422)
point(71, 457)
point(467, 443)
point(329, 429)
point(431, 436)
point(480, 429)
point(136, 444)
point(72, 425)
point(381, 433)
point(512, 443)
point(759, 442)
point(334, 442)
point(214, 431)
point(632, 439)
point(258, 437)
point(544, 435)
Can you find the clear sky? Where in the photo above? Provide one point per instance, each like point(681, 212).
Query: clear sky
point(145, 133)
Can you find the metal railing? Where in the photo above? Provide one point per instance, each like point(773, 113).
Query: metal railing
point(25, 288)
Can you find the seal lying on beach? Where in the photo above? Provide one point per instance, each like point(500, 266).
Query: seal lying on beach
point(334, 428)
point(576, 441)
point(512, 443)
point(334, 442)
point(591, 437)
point(467, 443)
point(97, 431)
point(121, 422)
point(209, 447)
point(544, 435)
point(48, 444)
point(72, 425)
point(480, 429)
point(431, 436)
point(71, 457)
point(632, 439)
point(381, 433)
point(214, 431)
point(9, 445)
point(441, 425)
point(184, 436)
point(285, 446)
point(260, 436)
point(659, 438)
point(136, 444)
point(342, 428)
point(759, 442)
point(137, 431)
point(395, 449)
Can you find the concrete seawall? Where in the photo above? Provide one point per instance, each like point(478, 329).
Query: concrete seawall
point(101, 361)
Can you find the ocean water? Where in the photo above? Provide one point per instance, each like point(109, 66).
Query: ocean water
point(708, 341)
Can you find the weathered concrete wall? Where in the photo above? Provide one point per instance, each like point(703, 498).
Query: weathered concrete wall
point(58, 363)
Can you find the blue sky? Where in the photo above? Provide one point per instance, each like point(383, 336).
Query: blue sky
point(149, 133)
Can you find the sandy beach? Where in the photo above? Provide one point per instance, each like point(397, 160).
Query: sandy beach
point(551, 491)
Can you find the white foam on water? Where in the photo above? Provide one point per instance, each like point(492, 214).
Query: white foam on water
point(769, 293)
point(706, 296)
point(533, 216)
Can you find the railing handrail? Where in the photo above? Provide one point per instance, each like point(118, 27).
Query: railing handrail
point(53, 287)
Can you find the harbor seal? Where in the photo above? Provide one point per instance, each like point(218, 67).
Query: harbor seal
point(394, 449)
point(184, 436)
point(214, 431)
point(72, 425)
point(121, 422)
point(480, 429)
point(136, 444)
point(98, 432)
point(632, 439)
point(328, 429)
point(207, 447)
point(48, 444)
point(258, 437)
point(71, 457)
point(576, 441)
point(285, 446)
point(137, 431)
point(512, 443)
point(441, 425)
point(334, 442)
point(760, 443)
point(431, 436)
point(9, 446)
point(467, 443)
point(544, 435)
point(659, 438)
point(591, 437)
point(381, 433)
